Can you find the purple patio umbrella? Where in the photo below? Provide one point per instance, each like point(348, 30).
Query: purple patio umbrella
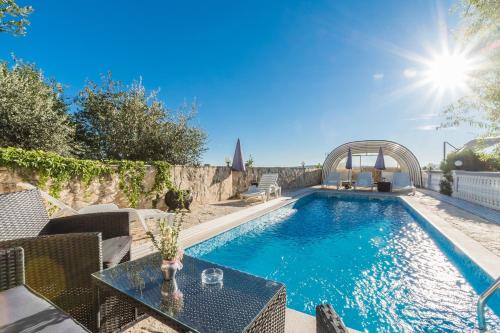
point(380, 163)
point(348, 164)
point(238, 164)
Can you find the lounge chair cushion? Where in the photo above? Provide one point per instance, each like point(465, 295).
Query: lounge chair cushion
point(114, 249)
point(25, 311)
point(253, 191)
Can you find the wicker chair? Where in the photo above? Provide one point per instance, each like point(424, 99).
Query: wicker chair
point(328, 321)
point(62, 253)
point(32, 312)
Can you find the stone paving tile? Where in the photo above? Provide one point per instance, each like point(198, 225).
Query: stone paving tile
point(485, 232)
point(475, 209)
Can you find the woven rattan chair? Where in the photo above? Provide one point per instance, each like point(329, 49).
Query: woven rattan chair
point(23, 309)
point(328, 321)
point(62, 253)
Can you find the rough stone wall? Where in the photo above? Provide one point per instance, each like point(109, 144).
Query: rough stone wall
point(208, 184)
point(289, 178)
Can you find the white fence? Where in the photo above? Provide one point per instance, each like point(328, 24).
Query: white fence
point(431, 179)
point(482, 188)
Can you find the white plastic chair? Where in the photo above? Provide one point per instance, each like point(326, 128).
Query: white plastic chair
point(268, 185)
point(333, 179)
point(364, 179)
point(401, 181)
point(387, 176)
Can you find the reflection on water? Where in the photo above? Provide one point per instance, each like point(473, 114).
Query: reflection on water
point(371, 259)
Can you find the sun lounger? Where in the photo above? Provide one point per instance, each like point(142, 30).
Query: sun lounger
point(333, 179)
point(401, 181)
point(364, 179)
point(268, 185)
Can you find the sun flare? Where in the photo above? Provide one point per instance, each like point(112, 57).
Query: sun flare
point(448, 71)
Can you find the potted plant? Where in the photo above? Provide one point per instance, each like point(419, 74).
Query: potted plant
point(178, 199)
point(166, 242)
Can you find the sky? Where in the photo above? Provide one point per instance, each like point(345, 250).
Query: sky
point(291, 79)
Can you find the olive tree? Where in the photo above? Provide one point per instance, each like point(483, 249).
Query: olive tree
point(33, 114)
point(114, 121)
point(13, 18)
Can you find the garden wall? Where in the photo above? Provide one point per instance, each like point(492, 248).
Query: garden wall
point(208, 184)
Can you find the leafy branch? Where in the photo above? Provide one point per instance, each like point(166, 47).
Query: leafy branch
point(13, 18)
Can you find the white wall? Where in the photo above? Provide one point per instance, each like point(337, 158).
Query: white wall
point(482, 188)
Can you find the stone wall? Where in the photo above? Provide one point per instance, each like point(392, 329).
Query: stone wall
point(208, 184)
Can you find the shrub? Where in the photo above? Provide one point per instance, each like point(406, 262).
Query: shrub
point(118, 122)
point(471, 160)
point(445, 184)
point(33, 115)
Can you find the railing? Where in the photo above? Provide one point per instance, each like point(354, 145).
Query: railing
point(482, 188)
point(481, 303)
point(431, 179)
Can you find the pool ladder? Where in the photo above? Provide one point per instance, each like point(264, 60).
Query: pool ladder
point(481, 303)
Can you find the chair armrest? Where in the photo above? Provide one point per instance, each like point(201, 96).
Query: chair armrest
point(59, 268)
point(11, 268)
point(109, 224)
point(328, 321)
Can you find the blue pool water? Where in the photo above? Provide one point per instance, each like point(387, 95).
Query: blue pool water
point(383, 268)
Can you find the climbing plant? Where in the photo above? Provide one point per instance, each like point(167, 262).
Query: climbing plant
point(131, 178)
point(54, 171)
point(162, 180)
point(51, 166)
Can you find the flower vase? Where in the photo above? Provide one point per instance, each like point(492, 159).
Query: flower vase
point(172, 300)
point(169, 269)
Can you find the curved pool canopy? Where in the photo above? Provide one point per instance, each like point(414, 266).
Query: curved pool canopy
point(402, 155)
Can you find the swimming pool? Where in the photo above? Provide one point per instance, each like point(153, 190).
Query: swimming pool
point(381, 266)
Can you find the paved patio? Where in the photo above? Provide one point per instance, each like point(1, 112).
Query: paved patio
point(479, 223)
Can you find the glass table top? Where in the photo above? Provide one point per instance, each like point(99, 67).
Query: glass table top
point(227, 307)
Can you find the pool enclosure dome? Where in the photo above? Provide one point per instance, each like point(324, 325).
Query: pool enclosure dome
point(402, 155)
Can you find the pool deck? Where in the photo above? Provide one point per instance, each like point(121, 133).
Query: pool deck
point(473, 229)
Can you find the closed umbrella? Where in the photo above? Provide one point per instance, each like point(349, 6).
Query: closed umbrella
point(238, 164)
point(380, 163)
point(348, 164)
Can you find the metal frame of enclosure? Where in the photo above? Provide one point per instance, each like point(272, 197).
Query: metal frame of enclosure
point(402, 155)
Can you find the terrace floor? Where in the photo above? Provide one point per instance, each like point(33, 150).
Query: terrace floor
point(206, 220)
point(485, 231)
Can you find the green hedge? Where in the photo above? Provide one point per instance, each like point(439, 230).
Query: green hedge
point(60, 170)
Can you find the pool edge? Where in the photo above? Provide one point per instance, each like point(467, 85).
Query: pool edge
point(477, 253)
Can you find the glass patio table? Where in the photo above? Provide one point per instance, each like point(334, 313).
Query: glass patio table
point(241, 303)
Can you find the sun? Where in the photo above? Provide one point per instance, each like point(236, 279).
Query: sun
point(448, 71)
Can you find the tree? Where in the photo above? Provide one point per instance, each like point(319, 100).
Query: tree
point(118, 122)
point(471, 161)
point(13, 17)
point(249, 162)
point(480, 107)
point(33, 115)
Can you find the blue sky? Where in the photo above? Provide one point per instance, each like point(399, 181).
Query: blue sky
point(291, 79)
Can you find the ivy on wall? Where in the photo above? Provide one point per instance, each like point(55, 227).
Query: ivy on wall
point(60, 170)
